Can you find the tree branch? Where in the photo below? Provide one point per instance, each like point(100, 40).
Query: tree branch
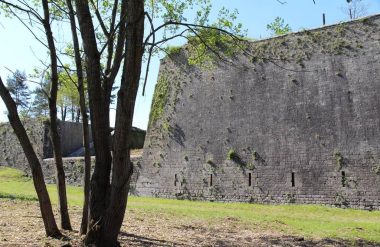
point(113, 66)
point(99, 17)
point(28, 11)
point(28, 27)
point(150, 52)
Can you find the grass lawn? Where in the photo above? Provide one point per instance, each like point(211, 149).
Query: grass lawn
point(316, 222)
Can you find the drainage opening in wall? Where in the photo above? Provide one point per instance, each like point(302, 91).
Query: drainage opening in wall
point(249, 179)
point(293, 180)
point(343, 179)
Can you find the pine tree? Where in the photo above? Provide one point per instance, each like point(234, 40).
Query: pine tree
point(40, 104)
point(19, 90)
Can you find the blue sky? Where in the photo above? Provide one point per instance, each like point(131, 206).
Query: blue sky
point(19, 50)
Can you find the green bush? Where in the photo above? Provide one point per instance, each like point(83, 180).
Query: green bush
point(232, 154)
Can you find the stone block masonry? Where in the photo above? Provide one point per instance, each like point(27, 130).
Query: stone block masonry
point(74, 170)
point(295, 121)
point(12, 154)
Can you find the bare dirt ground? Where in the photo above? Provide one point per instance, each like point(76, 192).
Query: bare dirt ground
point(21, 225)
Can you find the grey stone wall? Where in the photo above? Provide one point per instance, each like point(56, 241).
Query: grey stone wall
point(12, 154)
point(74, 170)
point(71, 138)
point(138, 138)
point(295, 121)
point(38, 131)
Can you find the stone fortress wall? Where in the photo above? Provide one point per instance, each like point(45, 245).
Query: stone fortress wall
point(12, 155)
point(295, 121)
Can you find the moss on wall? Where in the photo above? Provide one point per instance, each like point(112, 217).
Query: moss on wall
point(160, 98)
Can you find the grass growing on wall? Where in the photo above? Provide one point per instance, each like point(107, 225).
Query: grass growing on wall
point(311, 221)
point(172, 50)
point(231, 155)
point(159, 101)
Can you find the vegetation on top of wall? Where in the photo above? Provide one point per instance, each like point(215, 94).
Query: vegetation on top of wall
point(278, 27)
point(339, 39)
point(224, 46)
point(159, 101)
point(172, 50)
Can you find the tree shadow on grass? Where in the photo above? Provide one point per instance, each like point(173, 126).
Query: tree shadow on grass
point(137, 240)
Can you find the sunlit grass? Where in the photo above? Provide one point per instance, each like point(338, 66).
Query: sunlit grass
point(304, 220)
point(14, 184)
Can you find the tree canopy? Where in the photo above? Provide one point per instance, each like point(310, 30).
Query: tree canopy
point(278, 27)
point(19, 90)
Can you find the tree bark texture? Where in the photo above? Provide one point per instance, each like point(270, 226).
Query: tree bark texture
point(86, 131)
point(100, 181)
point(35, 165)
point(122, 168)
point(54, 134)
point(108, 203)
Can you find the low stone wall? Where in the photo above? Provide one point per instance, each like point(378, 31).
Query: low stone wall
point(74, 170)
point(11, 153)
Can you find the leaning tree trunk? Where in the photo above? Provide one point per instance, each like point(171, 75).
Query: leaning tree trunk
point(54, 134)
point(35, 165)
point(86, 131)
point(122, 167)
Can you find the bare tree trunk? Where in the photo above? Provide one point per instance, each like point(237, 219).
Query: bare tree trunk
point(77, 118)
point(35, 165)
point(122, 167)
point(350, 11)
point(72, 111)
point(54, 134)
point(86, 131)
point(100, 181)
point(63, 113)
point(101, 205)
point(87, 161)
